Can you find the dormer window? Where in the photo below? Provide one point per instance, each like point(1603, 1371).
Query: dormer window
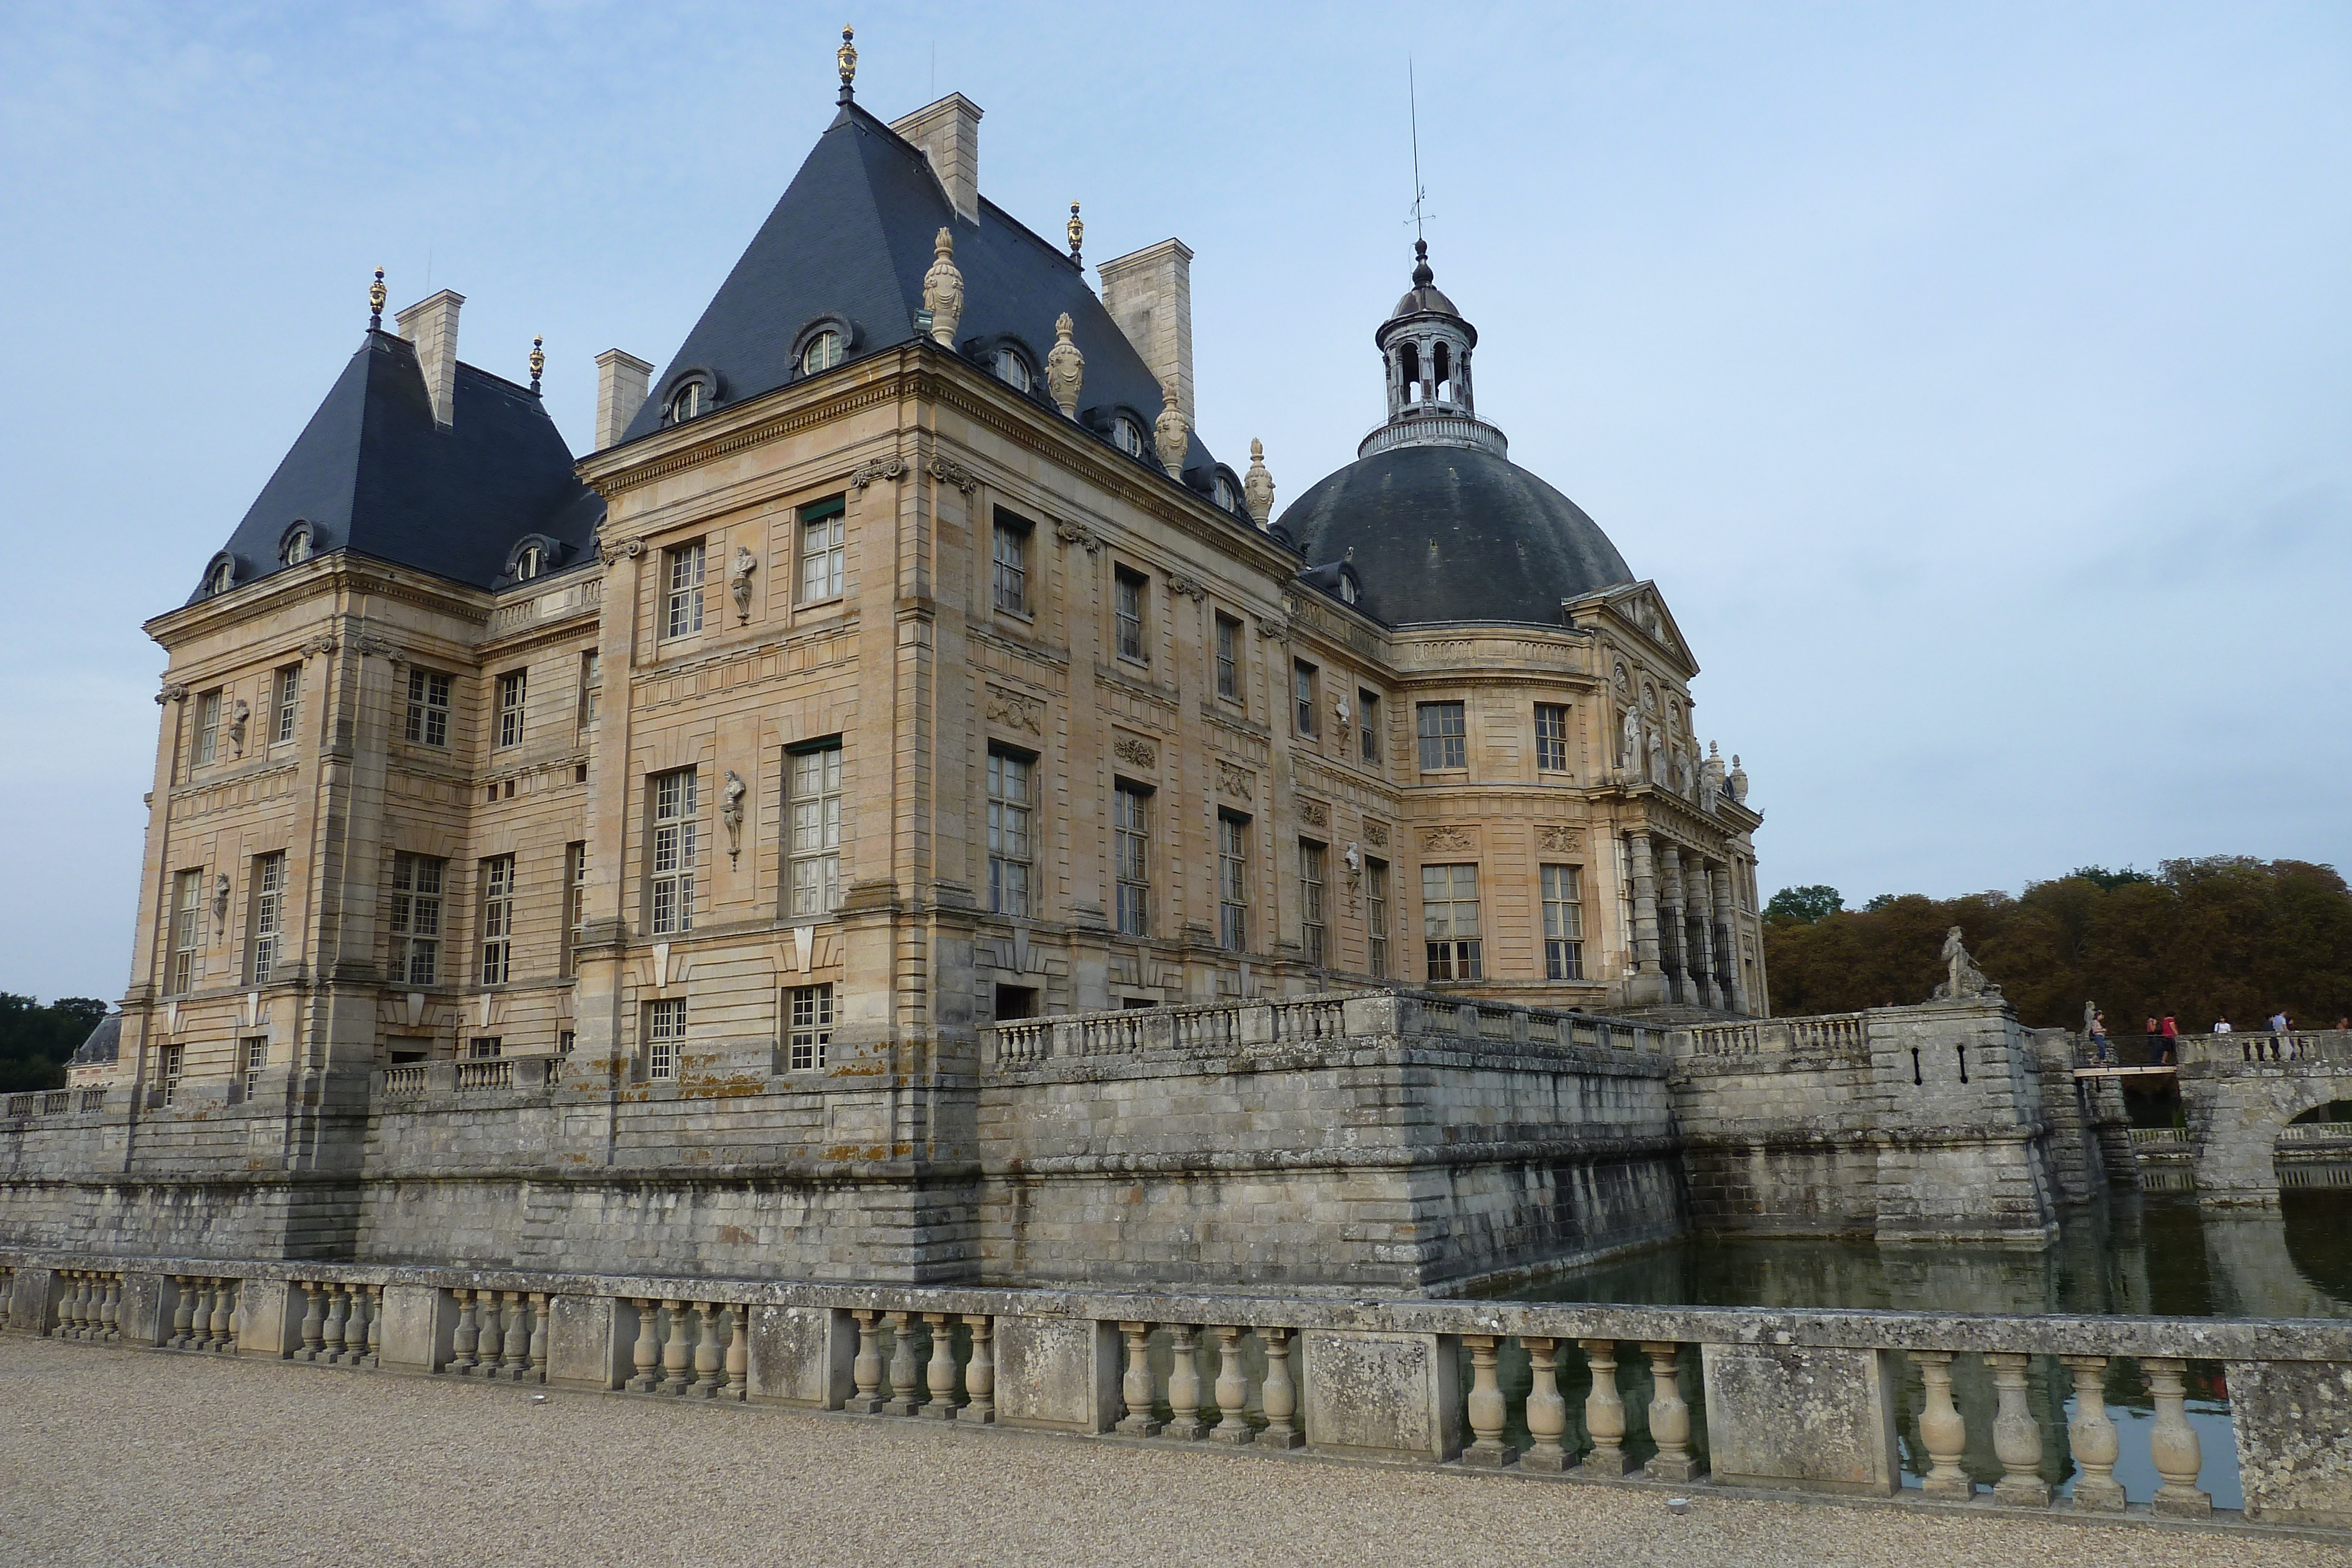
point(1226, 499)
point(686, 403)
point(296, 548)
point(221, 576)
point(825, 352)
point(1130, 435)
point(531, 563)
point(1348, 589)
point(1011, 369)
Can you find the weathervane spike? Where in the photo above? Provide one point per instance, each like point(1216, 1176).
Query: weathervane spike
point(846, 58)
point(538, 363)
point(375, 302)
point(1076, 230)
point(1412, 109)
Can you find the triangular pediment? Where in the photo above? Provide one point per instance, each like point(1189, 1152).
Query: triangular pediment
point(1640, 609)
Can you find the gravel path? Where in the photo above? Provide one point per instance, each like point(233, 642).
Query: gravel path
point(120, 1458)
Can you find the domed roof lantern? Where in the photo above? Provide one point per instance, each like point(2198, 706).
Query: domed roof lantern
point(1425, 347)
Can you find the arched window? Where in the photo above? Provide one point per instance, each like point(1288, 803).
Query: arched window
point(824, 352)
point(1225, 496)
point(220, 577)
point(1445, 373)
point(1011, 369)
point(531, 563)
point(1130, 437)
point(686, 403)
point(295, 549)
point(1409, 368)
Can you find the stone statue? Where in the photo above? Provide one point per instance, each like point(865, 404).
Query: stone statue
point(237, 723)
point(943, 290)
point(1065, 369)
point(1739, 781)
point(1168, 432)
point(1258, 486)
point(730, 813)
point(738, 582)
point(1963, 980)
point(1657, 758)
point(1629, 753)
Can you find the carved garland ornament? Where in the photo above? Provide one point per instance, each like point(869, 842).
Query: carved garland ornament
point(1560, 840)
point(1314, 813)
point(1126, 748)
point(1013, 711)
point(873, 468)
point(1376, 833)
point(1452, 839)
point(1238, 782)
point(948, 471)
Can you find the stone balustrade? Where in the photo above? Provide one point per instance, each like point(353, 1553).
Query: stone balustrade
point(495, 1073)
point(417, 1081)
point(1786, 1400)
point(53, 1102)
point(2312, 1132)
point(2146, 1137)
point(1828, 1033)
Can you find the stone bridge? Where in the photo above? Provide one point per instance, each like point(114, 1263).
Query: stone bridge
point(2241, 1091)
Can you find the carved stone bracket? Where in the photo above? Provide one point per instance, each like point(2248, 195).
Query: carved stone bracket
point(1314, 813)
point(366, 643)
point(1446, 838)
point(1560, 840)
point(1126, 748)
point(948, 471)
point(1237, 782)
point(625, 549)
point(1179, 584)
point(173, 692)
point(325, 643)
point(1078, 534)
point(1014, 711)
point(873, 468)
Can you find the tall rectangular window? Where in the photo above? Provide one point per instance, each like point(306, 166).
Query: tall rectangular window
point(266, 918)
point(1229, 657)
point(187, 929)
point(208, 712)
point(1131, 832)
point(1009, 565)
point(815, 848)
point(575, 902)
point(811, 1029)
point(674, 854)
point(1440, 728)
point(1232, 882)
point(1376, 916)
point(1551, 737)
point(1302, 696)
point(1312, 858)
point(1563, 915)
point(497, 919)
point(1008, 833)
point(512, 686)
point(256, 1057)
point(822, 552)
point(665, 1030)
point(1368, 727)
point(174, 1062)
point(1449, 913)
point(428, 708)
point(682, 590)
point(1128, 588)
point(588, 683)
point(416, 919)
point(288, 689)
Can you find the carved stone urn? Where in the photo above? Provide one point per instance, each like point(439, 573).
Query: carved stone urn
point(943, 290)
point(1065, 369)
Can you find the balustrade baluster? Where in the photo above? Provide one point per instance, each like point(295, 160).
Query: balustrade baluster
point(1488, 1413)
point(514, 1358)
point(2016, 1435)
point(494, 1316)
point(939, 1373)
point(1279, 1398)
point(203, 1291)
point(709, 1355)
point(1670, 1416)
point(1135, 1389)
point(738, 1355)
point(1183, 1385)
point(183, 1311)
point(1546, 1410)
point(646, 1353)
point(676, 1351)
point(866, 1371)
point(466, 1337)
point(332, 1331)
point(905, 1365)
point(69, 1307)
point(1604, 1412)
point(355, 1326)
point(2172, 1441)
point(228, 1295)
point(1233, 1388)
point(2091, 1434)
point(110, 1309)
point(979, 1374)
point(314, 1320)
point(1941, 1429)
point(536, 1371)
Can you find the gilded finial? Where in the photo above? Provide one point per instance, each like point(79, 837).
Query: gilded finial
point(847, 58)
point(538, 363)
point(1076, 229)
point(375, 302)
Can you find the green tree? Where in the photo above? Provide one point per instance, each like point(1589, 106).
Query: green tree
point(35, 1040)
point(1803, 905)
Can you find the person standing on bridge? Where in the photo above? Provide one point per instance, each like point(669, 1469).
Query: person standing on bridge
point(2280, 1024)
point(2171, 1036)
point(2152, 1032)
point(2100, 1051)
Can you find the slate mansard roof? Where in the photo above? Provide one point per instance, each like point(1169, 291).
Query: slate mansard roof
point(851, 238)
point(371, 473)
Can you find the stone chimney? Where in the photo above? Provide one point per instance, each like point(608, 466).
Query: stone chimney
point(1148, 293)
point(620, 392)
point(949, 134)
point(432, 325)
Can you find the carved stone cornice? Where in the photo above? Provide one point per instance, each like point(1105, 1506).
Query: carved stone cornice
point(873, 468)
point(948, 471)
point(1078, 534)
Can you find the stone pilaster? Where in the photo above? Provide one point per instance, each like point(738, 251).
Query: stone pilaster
point(1646, 986)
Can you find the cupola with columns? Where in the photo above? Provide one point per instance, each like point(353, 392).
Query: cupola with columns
point(1425, 346)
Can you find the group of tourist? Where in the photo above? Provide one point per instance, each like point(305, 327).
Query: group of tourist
point(2163, 1033)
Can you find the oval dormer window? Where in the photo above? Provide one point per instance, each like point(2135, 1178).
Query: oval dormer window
point(824, 352)
point(531, 563)
point(1346, 588)
point(1225, 496)
point(1130, 437)
point(220, 577)
point(686, 403)
point(1011, 369)
point(297, 548)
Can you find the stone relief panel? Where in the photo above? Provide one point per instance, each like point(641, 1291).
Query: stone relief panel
point(1012, 710)
point(1237, 782)
point(1314, 813)
point(1560, 840)
point(1136, 753)
point(1448, 840)
point(1376, 833)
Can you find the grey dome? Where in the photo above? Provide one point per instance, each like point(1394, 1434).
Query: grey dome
point(1453, 533)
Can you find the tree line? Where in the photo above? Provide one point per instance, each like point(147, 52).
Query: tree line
point(35, 1040)
point(2221, 937)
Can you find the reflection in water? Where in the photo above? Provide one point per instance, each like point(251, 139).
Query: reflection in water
point(2155, 1254)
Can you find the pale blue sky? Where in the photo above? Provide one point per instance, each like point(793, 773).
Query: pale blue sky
point(1973, 380)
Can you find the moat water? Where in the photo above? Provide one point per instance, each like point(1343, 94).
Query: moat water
point(2153, 1254)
